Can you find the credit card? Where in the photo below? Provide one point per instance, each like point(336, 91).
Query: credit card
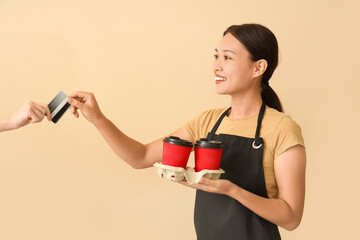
point(58, 106)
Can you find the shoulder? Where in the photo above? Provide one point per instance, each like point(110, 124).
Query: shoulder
point(278, 120)
point(284, 130)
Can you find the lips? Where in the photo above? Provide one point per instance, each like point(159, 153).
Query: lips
point(219, 79)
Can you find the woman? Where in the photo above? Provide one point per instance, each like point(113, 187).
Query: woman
point(264, 157)
point(30, 112)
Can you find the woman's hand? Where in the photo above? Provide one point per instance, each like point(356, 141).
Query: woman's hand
point(221, 186)
point(87, 104)
point(30, 112)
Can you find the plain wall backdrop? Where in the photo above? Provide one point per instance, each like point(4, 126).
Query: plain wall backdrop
point(149, 63)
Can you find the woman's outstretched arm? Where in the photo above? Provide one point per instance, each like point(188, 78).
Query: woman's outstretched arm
point(136, 154)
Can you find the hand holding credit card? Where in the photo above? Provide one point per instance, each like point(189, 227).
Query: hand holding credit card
point(87, 104)
point(58, 106)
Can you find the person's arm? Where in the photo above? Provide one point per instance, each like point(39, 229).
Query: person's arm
point(286, 210)
point(131, 151)
point(30, 112)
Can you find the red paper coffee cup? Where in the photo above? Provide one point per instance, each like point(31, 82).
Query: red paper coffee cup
point(208, 154)
point(176, 152)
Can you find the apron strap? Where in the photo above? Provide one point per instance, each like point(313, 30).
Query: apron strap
point(258, 140)
point(212, 133)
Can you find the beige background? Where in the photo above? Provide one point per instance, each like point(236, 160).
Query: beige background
point(149, 65)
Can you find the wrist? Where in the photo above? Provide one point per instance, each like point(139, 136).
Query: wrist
point(6, 125)
point(234, 190)
point(99, 120)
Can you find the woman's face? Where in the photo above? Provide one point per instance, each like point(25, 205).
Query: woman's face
point(233, 68)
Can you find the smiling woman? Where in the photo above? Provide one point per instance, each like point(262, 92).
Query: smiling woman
point(264, 156)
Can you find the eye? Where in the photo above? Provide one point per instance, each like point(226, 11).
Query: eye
point(227, 58)
point(216, 56)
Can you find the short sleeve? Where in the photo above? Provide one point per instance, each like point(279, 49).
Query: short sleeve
point(191, 127)
point(286, 135)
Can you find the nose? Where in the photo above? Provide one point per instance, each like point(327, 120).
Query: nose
point(216, 66)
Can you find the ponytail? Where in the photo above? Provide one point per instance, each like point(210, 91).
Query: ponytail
point(270, 98)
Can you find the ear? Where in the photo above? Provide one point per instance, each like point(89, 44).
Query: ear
point(260, 67)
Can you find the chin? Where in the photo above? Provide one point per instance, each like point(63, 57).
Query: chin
point(221, 91)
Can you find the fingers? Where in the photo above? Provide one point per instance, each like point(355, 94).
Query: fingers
point(33, 117)
point(75, 103)
point(37, 113)
point(184, 182)
point(44, 108)
point(48, 113)
point(34, 112)
point(192, 185)
point(73, 110)
point(80, 94)
point(204, 184)
point(205, 181)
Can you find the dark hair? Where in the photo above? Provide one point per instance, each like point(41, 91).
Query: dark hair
point(261, 44)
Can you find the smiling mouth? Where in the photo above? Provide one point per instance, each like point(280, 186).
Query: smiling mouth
point(219, 80)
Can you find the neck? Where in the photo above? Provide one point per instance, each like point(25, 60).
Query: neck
point(242, 106)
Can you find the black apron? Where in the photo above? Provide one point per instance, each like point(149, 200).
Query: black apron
point(220, 217)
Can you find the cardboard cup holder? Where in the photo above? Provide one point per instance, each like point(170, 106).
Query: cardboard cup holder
point(177, 174)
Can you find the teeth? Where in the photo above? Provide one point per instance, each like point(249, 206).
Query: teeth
point(220, 78)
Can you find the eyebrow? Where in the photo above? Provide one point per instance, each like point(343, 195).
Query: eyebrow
point(226, 51)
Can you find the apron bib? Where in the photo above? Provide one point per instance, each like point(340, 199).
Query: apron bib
point(220, 217)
